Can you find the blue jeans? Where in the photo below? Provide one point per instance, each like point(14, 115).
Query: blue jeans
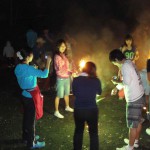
point(91, 117)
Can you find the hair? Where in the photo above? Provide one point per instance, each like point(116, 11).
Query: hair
point(90, 69)
point(58, 44)
point(128, 37)
point(148, 65)
point(116, 54)
point(23, 54)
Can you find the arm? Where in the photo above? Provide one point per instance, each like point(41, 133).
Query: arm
point(39, 73)
point(99, 90)
point(136, 55)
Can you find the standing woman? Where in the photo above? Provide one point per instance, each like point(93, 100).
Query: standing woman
point(129, 49)
point(61, 64)
point(85, 88)
point(31, 96)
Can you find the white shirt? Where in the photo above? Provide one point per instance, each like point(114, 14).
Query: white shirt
point(133, 87)
point(8, 50)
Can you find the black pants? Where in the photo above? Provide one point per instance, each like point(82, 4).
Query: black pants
point(28, 125)
point(91, 117)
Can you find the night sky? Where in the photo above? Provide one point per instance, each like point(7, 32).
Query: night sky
point(98, 26)
point(95, 24)
point(59, 14)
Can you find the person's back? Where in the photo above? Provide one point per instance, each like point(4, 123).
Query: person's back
point(132, 82)
point(85, 90)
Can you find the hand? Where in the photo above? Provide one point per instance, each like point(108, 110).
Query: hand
point(114, 81)
point(74, 75)
point(114, 91)
point(35, 66)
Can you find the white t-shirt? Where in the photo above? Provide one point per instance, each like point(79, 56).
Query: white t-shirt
point(8, 50)
point(133, 87)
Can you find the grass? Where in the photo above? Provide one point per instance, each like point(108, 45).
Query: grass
point(58, 133)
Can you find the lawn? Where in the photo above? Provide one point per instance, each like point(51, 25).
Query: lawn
point(58, 133)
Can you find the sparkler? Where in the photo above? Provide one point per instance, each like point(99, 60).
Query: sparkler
point(82, 63)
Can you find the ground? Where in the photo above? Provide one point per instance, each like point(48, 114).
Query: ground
point(58, 133)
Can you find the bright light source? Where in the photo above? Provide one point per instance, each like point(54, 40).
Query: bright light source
point(82, 63)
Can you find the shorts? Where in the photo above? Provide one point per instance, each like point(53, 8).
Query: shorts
point(134, 113)
point(62, 87)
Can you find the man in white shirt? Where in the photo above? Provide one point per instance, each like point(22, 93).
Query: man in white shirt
point(134, 92)
point(8, 53)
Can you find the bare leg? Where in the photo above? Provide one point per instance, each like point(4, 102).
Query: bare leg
point(132, 136)
point(56, 103)
point(66, 97)
point(138, 131)
point(134, 133)
point(147, 102)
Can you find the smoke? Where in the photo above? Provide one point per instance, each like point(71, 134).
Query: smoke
point(97, 34)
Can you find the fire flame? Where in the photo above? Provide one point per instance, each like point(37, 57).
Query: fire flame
point(82, 63)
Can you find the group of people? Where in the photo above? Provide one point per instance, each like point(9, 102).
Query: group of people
point(132, 88)
point(85, 87)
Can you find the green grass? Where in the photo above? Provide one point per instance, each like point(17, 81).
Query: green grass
point(58, 133)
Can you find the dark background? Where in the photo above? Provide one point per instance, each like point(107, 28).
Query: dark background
point(71, 15)
point(95, 24)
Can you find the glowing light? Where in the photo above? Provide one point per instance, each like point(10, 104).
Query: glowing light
point(148, 54)
point(144, 108)
point(82, 63)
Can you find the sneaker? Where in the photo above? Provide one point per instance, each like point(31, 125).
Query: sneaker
point(123, 148)
point(38, 145)
point(136, 145)
point(37, 137)
point(148, 131)
point(69, 109)
point(57, 114)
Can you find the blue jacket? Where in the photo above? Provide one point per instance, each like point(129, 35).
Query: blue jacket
point(27, 77)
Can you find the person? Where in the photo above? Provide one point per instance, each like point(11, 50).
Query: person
point(129, 49)
point(61, 65)
point(8, 53)
point(70, 42)
point(31, 37)
point(119, 88)
point(134, 95)
point(49, 40)
point(39, 50)
point(143, 74)
point(32, 99)
point(85, 88)
point(130, 52)
point(148, 100)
